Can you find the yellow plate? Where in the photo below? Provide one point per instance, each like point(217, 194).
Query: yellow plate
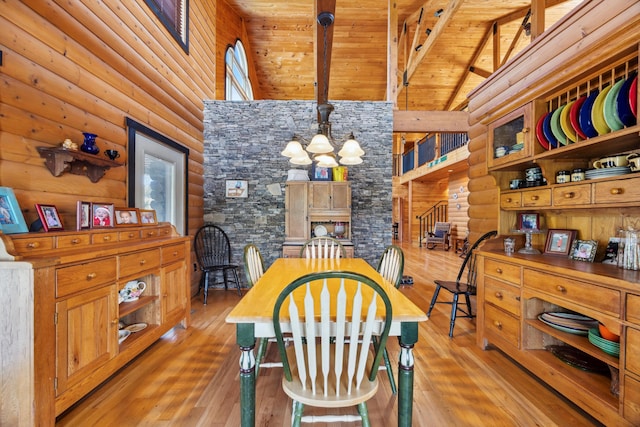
point(565, 123)
point(597, 112)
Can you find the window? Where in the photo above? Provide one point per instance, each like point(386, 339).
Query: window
point(238, 86)
point(174, 15)
point(158, 175)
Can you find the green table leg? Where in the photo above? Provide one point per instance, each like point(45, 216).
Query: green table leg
point(245, 337)
point(408, 337)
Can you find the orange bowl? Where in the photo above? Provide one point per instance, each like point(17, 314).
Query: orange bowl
point(607, 334)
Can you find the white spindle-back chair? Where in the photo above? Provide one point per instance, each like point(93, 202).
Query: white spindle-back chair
point(322, 247)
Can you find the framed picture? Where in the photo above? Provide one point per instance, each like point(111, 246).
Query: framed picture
point(528, 221)
point(559, 242)
point(83, 213)
point(102, 215)
point(49, 217)
point(11, 218)
point(319, 173)
point(148, 217)
point(126, 217)
point(237, 188)
point(583, 250)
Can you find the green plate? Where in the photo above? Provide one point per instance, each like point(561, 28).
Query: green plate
point(555, 126)
point(610, 113)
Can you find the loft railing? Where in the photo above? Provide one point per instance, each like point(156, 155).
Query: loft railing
point(432, 147)
point(436, 213)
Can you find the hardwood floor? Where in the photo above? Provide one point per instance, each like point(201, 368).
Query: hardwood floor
point(190, 377)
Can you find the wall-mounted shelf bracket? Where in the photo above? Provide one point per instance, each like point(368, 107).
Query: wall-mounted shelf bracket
point(58, 160)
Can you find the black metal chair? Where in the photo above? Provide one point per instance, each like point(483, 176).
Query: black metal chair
point(458, 287)
point(213, 252)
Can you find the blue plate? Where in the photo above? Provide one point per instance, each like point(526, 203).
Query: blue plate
point(623, 107)
point(548, 133)
point(586, 124)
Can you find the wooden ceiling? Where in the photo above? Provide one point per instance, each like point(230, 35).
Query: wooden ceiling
point(282, 35)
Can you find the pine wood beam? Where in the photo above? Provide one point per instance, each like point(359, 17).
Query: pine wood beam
point(392, 52)
point(322, 69)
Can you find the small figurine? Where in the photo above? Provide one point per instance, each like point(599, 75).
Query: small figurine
point(69, 145)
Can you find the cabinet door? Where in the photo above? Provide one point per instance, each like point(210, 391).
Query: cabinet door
point(174, 295)
point(86, 334)
point(320, 195)
point(341, 195)
point(296, 211)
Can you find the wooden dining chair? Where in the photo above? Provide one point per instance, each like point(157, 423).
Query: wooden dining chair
point(461, 285)
point(323, 247)
point(391, 267)
point(330, 364)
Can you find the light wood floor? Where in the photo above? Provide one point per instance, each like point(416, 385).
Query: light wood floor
point(190, 377)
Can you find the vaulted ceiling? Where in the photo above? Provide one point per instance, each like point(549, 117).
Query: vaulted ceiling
point(452, 53)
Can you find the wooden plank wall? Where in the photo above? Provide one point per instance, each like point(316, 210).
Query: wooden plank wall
point(71, 66)
point(458, 196)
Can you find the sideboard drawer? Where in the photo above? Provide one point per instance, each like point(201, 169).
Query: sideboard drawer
point(502, 295)
point(501, 270)
point(73, 241)
point(622, 191)
point(33, 245)
point(84, 276)
point(536, 198)
point(632, 400)
point(127, 236)
point(633, 308)
point(106, 237)
point(574, 291)
point(144, 260)
point(172, 253)
point(502, 325)
point(572, 195)
point(511, 200)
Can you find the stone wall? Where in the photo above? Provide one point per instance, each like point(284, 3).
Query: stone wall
point(243, 141)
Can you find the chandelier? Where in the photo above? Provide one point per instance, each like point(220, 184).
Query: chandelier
point(322, 146)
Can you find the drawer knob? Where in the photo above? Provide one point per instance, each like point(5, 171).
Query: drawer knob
point(499, 295)
point(499, 270)
point(151, 233)
point(497, 324)
point(616, 191)
point(91, 276)
point(106, 238)
point(509, 200)
point(33, 245)
point(131, 235)
point(75, 241)
point(534, 198)
point(561, 288)
point(175, 253)
point(569, 195)
point(143, 262)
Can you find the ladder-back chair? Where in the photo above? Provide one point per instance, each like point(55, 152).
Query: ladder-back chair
point(213, 252)
point(323, 247)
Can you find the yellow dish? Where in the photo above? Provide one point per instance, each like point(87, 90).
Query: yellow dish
point(597, 113)
point(565, 123)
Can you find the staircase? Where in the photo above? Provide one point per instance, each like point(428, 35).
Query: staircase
point(436, 213)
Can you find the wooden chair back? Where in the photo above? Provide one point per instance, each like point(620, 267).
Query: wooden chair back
point(469, 264)
point(391, 264)
point(253, 264)
point(212, 247)
point(439, 235)
point(322, 247)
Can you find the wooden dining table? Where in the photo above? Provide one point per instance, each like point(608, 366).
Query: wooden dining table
point(253, 319)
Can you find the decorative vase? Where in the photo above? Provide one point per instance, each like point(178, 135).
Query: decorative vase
point(89, 143)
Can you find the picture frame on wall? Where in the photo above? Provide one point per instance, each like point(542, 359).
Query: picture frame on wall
point(148, 217)
point(127, 217)
point(236, 188)
point(83, 215)
point(583, 250)
point(559, 242)
point(49, 217)
point(11, 218)
point(102, 215)
point(528, 221)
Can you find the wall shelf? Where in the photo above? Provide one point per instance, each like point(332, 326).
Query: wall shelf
point(58, 160)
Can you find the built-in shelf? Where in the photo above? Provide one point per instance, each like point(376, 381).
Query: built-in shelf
point(58, 160)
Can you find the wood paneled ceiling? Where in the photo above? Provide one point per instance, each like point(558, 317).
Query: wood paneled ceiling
point(282, 36)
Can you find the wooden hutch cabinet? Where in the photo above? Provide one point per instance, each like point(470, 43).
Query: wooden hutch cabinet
point(77, 276)
point(316, 205)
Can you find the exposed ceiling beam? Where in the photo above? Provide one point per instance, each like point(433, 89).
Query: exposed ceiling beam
point(323, 69)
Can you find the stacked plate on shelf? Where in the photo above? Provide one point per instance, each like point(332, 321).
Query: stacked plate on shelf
point(572, 323)
point(610, 347)
point(607, 172)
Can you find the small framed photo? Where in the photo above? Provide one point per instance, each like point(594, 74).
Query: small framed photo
point(528, 221)
point(126, 217)
point(102, 215)
point(236, 188)
point(319, 173)
point(11, 218)
point(148, 217)
point(49, 217)
point(559, 242)
point(83, 215)
point(584, 250)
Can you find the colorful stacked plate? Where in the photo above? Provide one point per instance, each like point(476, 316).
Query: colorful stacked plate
point(578, 359)
point(574, 116)
point(540, 132)
point(597, 112)
point(633, 97)
point(609, 347)
point(624, 110)
point(548, 133)
point(584, 118)
point(565, 123)
point(572, 323)
point(609, 107)
point(607, 172)
point(555, 126)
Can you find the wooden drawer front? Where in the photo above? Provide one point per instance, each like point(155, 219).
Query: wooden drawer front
point(572, 195)
point(150, 233)
point(502, 325)
point(536, 198)
point(632, 349)
point(623, 191)
point(125, 236)
point(139, 261)
point(172, 253)
point(164, 231)
point(632, 400)
point(511, 200)
point(596, 297)
point(33, 244)
point(85, 276)
point(73, 241)
point(633, 308)
point(502, 270)
point(502, 295)
point(106, 237)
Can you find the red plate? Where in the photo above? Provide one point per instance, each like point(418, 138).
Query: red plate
point(574, 115)
point(633, 96)
point(540, 133)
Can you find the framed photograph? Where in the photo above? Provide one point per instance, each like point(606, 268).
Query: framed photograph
point(528, 221)
point(127, 217)
point(559, 242)
point(584, 250)
point(102, 215)
point(237, 188)
point(49, 217)
point(318, 173)
point(148, 217)
point(11, 218)
point(83, 215)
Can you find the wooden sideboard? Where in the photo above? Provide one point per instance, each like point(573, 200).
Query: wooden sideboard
point(514, 290)
point(72, 281)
